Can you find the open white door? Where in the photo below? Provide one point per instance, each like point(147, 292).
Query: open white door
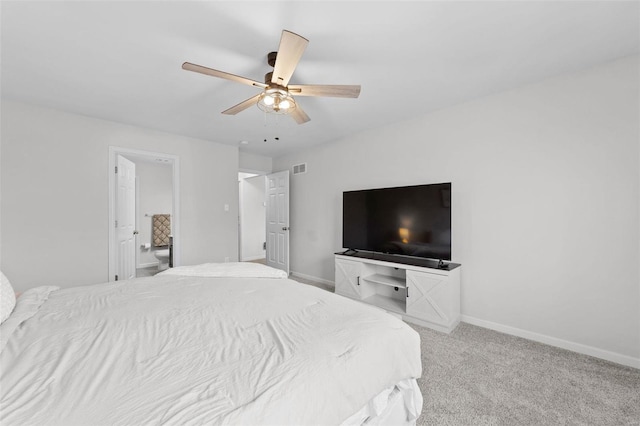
point(125, 219)
point(277, 193)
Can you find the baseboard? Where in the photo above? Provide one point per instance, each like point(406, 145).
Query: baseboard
point(554, 341)
point(314, 279)
point(147, 265)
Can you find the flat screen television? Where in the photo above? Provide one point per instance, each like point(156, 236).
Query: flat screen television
point(408, 221)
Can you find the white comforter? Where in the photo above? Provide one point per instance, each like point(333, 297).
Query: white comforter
point(194, 350)
point(229, 269)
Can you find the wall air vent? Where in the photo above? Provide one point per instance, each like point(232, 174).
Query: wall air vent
point(300, 168)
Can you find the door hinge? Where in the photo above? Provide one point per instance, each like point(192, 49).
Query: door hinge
point(116, 278)
point(116, 169)
point(116, 223)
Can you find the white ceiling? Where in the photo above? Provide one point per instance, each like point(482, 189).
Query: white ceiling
point(121, 60)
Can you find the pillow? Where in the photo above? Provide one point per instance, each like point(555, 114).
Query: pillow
point(7, 298)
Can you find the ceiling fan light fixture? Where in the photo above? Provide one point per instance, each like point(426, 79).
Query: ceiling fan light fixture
point(284, 104)
point(275, 100)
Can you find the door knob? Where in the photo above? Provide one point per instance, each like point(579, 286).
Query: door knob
point(285, 228)
point(135, 232)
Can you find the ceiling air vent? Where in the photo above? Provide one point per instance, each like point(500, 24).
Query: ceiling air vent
point(300, 168)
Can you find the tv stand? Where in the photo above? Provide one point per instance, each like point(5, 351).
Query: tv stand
point(425, 295)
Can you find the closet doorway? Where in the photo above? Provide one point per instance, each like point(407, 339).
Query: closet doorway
point(251, 217)
point(144, 217)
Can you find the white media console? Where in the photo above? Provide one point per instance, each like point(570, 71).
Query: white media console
point(427, 296)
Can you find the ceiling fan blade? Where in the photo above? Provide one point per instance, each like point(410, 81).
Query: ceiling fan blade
point(336, 91)
point(299, 115)
point(221, 74)
point(242, 105)
point(291, 48)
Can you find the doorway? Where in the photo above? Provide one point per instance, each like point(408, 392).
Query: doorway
point(263, 219)
point(155, 214)
point(251, 217)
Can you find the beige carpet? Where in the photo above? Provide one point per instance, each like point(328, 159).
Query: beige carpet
point(476, 376)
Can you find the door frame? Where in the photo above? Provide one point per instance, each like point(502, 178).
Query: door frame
point(114, 151)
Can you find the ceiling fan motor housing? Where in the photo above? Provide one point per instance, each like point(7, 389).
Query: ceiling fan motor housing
point(271, 58)
point(267, 78)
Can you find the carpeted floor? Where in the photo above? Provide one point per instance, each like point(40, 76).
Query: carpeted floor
point(476, 376)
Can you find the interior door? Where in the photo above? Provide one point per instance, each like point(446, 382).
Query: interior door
point(277, 194)
point(125, 218)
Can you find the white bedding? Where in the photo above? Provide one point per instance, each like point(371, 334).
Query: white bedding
point(190, 350)
point(229, 269)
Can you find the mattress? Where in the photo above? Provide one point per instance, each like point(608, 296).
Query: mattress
point(193, 349)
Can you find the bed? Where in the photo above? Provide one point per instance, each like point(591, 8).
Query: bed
point(230, 343)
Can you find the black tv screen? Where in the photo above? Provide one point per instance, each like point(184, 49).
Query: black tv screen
point(408, 221)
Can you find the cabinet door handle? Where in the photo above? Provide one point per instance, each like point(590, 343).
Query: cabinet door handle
point(358, 280)
point(407, 292)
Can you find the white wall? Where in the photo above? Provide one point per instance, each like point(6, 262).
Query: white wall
point(154, 183)
point(54, 212)
point(545, 204)
point(254, 163)
point(252, 218)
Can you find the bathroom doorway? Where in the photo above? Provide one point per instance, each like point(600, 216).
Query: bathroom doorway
point(156, 214)
point(251, 217)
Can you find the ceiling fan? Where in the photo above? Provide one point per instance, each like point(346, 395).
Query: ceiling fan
point(277, 94)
